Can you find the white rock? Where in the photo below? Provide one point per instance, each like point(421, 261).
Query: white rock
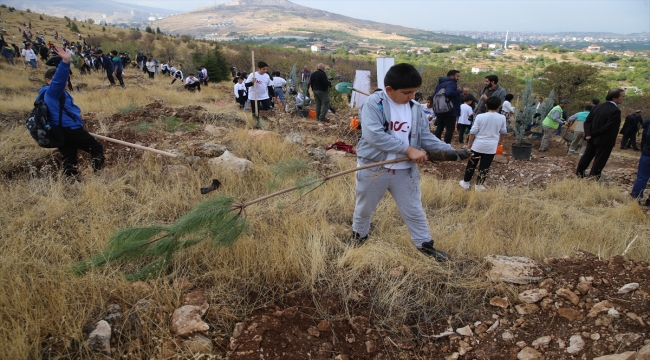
point(215, 130)
point(100, 339)
point(628, 355)
point(532, 296)
point(210, 149)
point(465, 331)
point(186, 320)
point(544, 340)
point(628, 288)
point(576, 344)
point(507, 335)
point(514, 269)
point(198, 344)
point(529, 353)
point(228, 162)
point(595, 336)
point(493, 327)
point(613, 312)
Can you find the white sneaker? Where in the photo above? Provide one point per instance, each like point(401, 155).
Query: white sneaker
point(465, 185)
point(479, 188)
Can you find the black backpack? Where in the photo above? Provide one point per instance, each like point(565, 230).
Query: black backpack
point(441, 103)
point(41, 129)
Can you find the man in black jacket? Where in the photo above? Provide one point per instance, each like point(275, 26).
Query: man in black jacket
point(320, 84)
point(643, 172)
point(601, 130)
point(447, 121)
point(630, 127)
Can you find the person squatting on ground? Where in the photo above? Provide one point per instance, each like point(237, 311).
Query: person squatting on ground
point(177, 74)
point(278, 88)
point(551, 122)
point(465, 119)
point(192, 83)
point(118, 67)
point(320, 85)
point(601, 130)
point(447, 121)
point(262, 88)
point(486, 134)
point(579, 131)
point(240, 92)
point(393, 126)
point(643, 172)
point(76, 137)
point(631, 126)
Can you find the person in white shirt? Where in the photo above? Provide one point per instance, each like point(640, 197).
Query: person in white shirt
point(177, 74)
point(164, 68)
point(240, 92)
point(278, 87)
point(261, 89)
point(192, 83)
point(427, 109)
point(486, 135)
point(464, 120)
point(506, 109)
point(204, 76)
point(29, 55)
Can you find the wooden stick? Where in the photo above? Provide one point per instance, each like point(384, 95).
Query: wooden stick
point(134, 145)
point(257, 108)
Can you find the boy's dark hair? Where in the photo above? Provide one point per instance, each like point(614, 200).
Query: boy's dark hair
point(493, 78)
point(191, 74)
point(509, 97)
point(589, 107)
point(99, 51)
point(452, 72)
point(262, 64)
point(402, 76)
point(493, 102)
point(49, 74)
point(595, 101)
point(114, 52)
point(430, 98)
point(468, 100)
point(614, 94)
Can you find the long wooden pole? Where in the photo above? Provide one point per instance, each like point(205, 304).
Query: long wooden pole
point(257, 109)
point(134, 145)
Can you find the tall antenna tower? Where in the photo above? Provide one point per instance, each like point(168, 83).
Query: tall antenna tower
point(505, 44)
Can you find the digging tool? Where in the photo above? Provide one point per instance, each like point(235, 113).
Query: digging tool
point(257, 105)
point(347, 88)
point(134, 145)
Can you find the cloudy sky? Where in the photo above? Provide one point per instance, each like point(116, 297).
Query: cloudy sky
point(618, 16)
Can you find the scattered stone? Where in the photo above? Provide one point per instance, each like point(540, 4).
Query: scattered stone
point(216, 131)
point(521, 344)
point(584, 286)
point(324, 325)
point(114, 312)
point(228, 162)
point(239, 327)
point(533, 296)
point(370, 347)
point(595, 336)
point(186, 320)
point(99, 339)
point(570, 314)
point(628, 355)
point(627, 337)
point(313, 331)
point(493, 327)
point(600, 307)
point(526, 309)
point(628, 288)
point(544, 340)
point(514, 269)
point(529, 353)
point(465, 331)
point(635, 317)
point(576, 344)
point(198, 344)
point(507, 335)
point(500, 302)
point(209, 149)
point(613, 313)
point(481, 328)
point(644, 353)
point(569, 295)
point(547, 284)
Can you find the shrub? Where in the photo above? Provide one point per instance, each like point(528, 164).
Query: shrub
point(128, 108)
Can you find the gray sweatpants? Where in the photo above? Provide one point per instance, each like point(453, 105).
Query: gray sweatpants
point(404, 186)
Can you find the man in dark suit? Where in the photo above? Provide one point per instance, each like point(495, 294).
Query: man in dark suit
point(631, 126)
point(601, 130)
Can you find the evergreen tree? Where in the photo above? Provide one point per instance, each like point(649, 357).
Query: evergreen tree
point(149, 30)
point(158, 30)
point(214, 62)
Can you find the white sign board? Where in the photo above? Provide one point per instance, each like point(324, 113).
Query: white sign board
point(361, 82)
point(383, 64)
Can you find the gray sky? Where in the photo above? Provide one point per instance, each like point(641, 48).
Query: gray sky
point(618, 16)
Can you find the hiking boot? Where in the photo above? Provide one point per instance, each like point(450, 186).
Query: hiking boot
point(355, 239)
point(464, 184)
point(428, 250)
point(478, 187)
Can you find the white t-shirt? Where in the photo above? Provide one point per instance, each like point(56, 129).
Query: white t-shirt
point(238, 87)
point(28, 54)
point(507, 107)
point(487, 128)
point(465, 112)
point(261, 87)
point(426, 111)
point(191, 80)
point(278, 82)
point(204, 71)
point(400, 127)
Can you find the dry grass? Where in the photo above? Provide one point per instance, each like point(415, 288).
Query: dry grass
point(293, 243)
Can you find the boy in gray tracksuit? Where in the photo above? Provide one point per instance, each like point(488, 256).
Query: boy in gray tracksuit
point(393, 127)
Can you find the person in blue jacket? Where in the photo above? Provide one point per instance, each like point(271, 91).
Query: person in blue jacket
point(69, 118)
point(107, 64)
point(447, 121)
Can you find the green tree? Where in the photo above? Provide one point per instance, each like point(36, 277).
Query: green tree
point(103, 29)
point(158, 30)
point(576, 82)
point(149, 30)
point(214, 62)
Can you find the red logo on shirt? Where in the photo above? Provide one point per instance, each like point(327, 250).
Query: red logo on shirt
point(397, 126)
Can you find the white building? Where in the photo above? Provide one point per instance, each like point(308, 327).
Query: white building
point(479, 69)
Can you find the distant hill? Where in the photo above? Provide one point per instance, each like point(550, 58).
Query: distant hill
point(94, 9)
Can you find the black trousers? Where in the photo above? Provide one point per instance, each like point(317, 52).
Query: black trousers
point(109, 76)
point(447, 123)
point(196, 85)
point(599, 154)
point(264, 105)
point(629, 140)
point(483, 161)
point(461, 132)
point(118, 75)
point(80, 139)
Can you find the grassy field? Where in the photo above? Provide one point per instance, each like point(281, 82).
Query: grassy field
point(293, 243)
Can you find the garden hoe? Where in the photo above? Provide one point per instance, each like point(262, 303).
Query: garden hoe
point(347, 88)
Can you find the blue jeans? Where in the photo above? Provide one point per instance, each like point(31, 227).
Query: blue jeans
point(559, 130)
point(279, 93)
point(642, 177)
point(32, 62)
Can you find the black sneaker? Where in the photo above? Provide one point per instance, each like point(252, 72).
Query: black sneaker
point(428, 250)
point(355, 239)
